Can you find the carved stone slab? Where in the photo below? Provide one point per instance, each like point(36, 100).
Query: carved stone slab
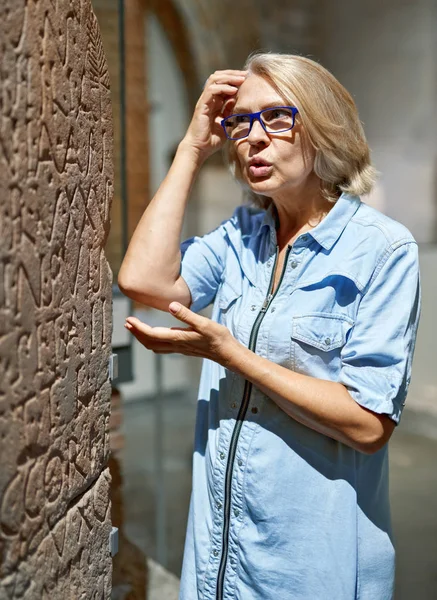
point(56, 182)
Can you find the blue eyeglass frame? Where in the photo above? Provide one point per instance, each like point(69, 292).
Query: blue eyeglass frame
point(256, 116)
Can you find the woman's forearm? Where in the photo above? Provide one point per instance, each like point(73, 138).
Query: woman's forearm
point(150, 272)
point(325, 406)
point(152, 261)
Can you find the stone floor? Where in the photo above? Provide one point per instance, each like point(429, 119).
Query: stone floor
point(413, 491)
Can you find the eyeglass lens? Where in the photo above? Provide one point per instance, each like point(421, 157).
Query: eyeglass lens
point(275, 120)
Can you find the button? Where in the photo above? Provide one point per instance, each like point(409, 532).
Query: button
point(254, 409)
point(293, 264)
point(273, 309)
point(304, 238)
point(222, 455)
point(253, 307)
point(269, 263)
point(327, 341)
point(240, 462)
point(236, 512)
point(216, 552)
point(218, 505)
point(233, 405)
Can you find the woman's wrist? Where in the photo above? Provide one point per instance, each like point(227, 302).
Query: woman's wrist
point(232, 353)
point(190, 152)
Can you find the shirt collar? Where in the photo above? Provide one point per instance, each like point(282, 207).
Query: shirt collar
point(327, 232)
point(269, 219)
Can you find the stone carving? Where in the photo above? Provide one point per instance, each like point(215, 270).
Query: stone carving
point(68, 560)
point(56, 183)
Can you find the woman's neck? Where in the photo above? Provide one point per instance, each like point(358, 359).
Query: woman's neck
point(296, 217)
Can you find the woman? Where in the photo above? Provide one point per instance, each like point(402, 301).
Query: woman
point(309, 349)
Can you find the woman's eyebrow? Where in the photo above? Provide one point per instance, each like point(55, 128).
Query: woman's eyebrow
point(270, 104)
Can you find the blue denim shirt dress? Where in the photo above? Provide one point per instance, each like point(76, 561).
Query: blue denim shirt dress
point(279, 511)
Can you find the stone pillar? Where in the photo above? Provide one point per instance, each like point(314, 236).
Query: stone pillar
point(56, 185)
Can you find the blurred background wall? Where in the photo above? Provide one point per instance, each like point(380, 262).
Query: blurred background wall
point(386, 56)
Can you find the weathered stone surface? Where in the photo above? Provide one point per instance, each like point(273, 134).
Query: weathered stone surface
point(56, 185)
point(67, 561)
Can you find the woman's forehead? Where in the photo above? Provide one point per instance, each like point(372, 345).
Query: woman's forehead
point(256, 93)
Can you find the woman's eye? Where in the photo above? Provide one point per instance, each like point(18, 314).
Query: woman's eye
point(242, 119)
point(277, 114)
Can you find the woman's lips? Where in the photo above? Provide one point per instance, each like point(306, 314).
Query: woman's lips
point(260, 170)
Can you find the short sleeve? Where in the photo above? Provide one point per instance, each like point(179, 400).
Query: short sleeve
point(377, 358)
point(202, 265)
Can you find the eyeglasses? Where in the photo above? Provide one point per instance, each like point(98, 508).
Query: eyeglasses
point(273, 120)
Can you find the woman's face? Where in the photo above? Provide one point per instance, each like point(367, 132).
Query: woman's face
point(289, 156)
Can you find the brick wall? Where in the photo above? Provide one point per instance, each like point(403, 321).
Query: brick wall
point(135, 74)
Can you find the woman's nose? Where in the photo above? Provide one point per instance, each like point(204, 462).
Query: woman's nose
point(257, 133)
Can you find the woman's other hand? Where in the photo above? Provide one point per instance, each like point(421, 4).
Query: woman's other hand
point(203, 337)
point(205, 134)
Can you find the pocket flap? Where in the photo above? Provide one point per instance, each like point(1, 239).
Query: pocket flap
point(325, 331)
point(228, 293)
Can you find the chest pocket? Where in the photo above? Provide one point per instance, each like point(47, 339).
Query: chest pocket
point(230, 291)
point(316, 343)
point(229, 297)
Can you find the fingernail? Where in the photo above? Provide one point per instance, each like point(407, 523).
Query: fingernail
point(174, 307)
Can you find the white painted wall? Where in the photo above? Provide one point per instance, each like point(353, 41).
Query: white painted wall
point(168, 120)
point(423, 389)
point(168, 104)
point(386, 56)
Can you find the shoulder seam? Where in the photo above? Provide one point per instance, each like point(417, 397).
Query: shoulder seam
point(386, 255)
point(383, 229)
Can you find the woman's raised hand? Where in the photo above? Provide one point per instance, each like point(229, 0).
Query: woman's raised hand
point(205, 134)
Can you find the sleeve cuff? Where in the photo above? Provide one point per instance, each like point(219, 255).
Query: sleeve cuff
point(372, 389)
point(199, 300)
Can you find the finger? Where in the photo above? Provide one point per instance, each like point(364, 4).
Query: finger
point(221, 72)
point(224, 78)
point(153, 344)
point(215, 96)
point(228, 107)
point(221, 89)
point(147, 332)
point(187, 316)
point(164, 349)
point(150, 336)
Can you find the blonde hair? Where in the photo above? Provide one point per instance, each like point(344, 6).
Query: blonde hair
point(329, 117)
